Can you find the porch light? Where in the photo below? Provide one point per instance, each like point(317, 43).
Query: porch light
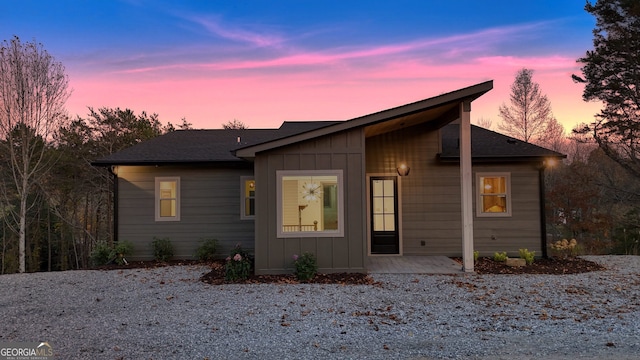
point(403, 169)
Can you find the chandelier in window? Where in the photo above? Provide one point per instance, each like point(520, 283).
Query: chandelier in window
point(311, 191)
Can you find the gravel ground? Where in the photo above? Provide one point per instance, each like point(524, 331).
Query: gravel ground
point(166, 313)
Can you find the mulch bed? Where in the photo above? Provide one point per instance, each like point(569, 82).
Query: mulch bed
point(551, 266)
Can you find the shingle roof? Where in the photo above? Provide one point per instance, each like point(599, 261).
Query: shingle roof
point(490, 146)
point(203, 146)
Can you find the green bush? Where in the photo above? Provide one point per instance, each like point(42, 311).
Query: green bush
point(121, 250)
point(238, 266)
point(101, 254)
point(500, 256)
point(476, 255)
point(306, 266)
point(162, 249)
point(207, 250)
point(527, 255)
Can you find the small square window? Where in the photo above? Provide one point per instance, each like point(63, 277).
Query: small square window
point(310, 203)
point(493, 194)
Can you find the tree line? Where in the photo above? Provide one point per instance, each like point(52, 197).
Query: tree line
point(55, 207)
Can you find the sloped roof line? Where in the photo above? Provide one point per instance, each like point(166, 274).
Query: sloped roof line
point(465, 94)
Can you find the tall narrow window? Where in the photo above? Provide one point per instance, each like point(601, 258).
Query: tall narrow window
point(248, 198)
point(167, 199)
point(494, 194)
point(310, 203)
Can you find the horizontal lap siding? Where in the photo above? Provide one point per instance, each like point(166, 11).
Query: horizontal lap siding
point(335, 254)
point(209, 208)
point(431, 211)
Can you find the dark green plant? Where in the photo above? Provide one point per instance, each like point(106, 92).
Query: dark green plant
point(207, 250)
point(500, 256)
point(101, 254)
point(306, 266)
point(162, 248)
point(104, 253)
point(121, 250)
point(527, 255)
point(239, 264)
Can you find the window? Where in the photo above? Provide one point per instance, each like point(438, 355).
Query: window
point(310, 203)
point(493, 194)
point(248, 201)
point(167, 199)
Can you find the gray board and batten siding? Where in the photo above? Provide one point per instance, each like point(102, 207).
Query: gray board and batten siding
point(338, 151)
point(209, 208)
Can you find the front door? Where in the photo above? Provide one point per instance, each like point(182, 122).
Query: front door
point(384, 215)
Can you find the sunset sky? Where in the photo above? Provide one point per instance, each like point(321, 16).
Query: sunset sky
point(264, 62)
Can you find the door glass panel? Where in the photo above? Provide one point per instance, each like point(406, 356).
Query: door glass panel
point(389, 222)
point(388, 205)
point(378, 222)
point(383, 205)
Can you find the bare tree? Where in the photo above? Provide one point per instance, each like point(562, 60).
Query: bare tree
point(530, 111)
point(485, 123)
point(33, 91)
point(554, 137)
point(234, 124)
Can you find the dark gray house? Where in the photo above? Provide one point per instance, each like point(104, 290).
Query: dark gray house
point(413, 180)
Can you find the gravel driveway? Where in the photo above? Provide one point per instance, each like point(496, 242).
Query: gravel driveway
point(166, 313)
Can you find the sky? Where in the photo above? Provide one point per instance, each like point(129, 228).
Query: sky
point(265, 62)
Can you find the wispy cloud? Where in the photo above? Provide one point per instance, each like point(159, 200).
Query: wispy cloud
point(216, 27)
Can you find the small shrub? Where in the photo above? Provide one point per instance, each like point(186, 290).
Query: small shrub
point(527, 255)
point(476, 255)
point(238, 266)
point(101, 254)
point(207, 250)
point(500, 256)
point(306, 266)
point(122, 249)
point(565, 247)
point(162, 249)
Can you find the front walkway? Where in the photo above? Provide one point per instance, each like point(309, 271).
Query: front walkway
point(413, 265)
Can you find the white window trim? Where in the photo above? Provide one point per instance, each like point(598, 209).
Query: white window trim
point(479, 211)
point(157, 198)
point(309, 234)
point(243, 215)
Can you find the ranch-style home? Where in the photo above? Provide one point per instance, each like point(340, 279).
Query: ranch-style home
point(417, 179)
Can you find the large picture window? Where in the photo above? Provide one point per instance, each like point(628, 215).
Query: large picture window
point(493, 194)
point(310, 203)
point(248, 198)
point(167, 196)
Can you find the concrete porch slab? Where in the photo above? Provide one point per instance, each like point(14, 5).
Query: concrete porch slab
point(413, 265)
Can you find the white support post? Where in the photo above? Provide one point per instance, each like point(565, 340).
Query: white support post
point(466, 186)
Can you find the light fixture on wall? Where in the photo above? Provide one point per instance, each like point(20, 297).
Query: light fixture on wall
point(403, 169)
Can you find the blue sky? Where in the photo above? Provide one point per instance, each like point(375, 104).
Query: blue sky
point(263, 62)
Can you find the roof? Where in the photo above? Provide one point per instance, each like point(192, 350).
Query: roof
point(235, 145)
point(487, 145)
point(202, 146)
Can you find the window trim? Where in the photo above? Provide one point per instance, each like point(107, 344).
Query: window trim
point(158, 180)
point(308, 234)
point(243, 216)
point(479, 209)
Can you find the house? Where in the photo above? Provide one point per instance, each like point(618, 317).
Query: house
point(413, 180)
